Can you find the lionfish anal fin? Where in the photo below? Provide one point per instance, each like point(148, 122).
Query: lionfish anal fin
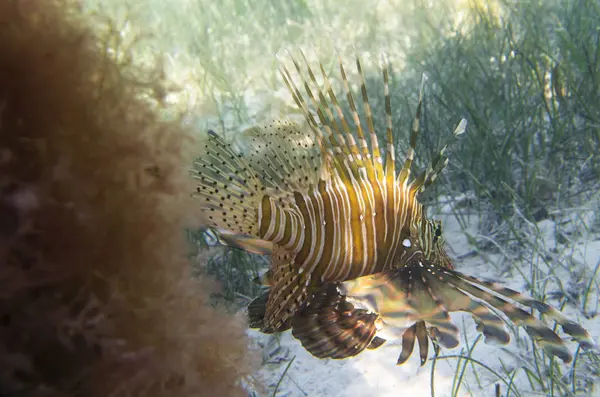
point(289, 291)
point(256, 314)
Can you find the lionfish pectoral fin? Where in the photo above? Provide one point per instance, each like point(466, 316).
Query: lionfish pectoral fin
point(244, 242)
point(432, 308)
point(423, 339)
point(579, 334)
point(488, 323)
point(408, 344)
point(499, 298)
point(407, 296)
point(404, 297)
point(331, 327)
point(376, 343)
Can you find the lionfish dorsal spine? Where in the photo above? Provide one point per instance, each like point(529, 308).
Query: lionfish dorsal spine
point(333, 140)
point(377, 161)
point(362, 156)
point(430, 174)
point(414, 134)
point(390, 150)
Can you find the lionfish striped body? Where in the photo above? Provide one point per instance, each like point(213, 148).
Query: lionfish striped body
point(353, 255)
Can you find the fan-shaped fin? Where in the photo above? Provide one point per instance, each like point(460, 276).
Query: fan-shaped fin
point(330, 327)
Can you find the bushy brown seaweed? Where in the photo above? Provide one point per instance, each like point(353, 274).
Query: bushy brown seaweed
point(96, 297)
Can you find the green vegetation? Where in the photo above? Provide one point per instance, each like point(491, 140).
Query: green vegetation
point(525, 74)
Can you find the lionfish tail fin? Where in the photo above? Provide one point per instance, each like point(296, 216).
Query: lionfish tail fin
point(330, 327)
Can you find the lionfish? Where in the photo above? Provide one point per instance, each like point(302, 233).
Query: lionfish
point(354, 258)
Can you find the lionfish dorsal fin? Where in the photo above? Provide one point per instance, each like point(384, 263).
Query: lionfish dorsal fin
point(349, 153)
point(414, 134)
point(273, 160)
point(429, 175)
point(376, 171)
point(336, 131)
point(285, 155)
point(326, 148)
point(360, 150)
point(390, 161)
point(345, 158)
point(343, 129)
point(227, 186)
